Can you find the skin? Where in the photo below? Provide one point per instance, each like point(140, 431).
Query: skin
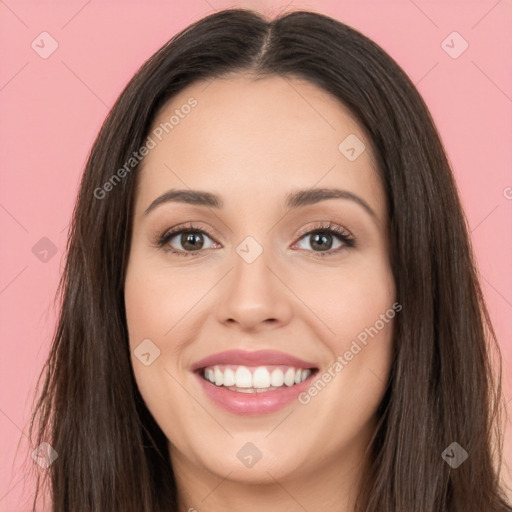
point(252, 142)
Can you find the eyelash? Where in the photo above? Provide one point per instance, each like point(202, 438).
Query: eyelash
point(347, 239)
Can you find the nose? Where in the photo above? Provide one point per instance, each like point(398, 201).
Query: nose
point(253, 296)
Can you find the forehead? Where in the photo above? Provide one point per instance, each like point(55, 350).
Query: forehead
point(266, 135)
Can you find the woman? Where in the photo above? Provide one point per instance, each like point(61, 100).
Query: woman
point(270, 300)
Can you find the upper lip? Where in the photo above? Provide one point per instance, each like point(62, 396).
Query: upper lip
point(252, 358)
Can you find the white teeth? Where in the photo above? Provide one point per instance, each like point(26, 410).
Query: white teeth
point(210, 374)
point(229, 377)
point(261, 378)
point(258, 380)
point(276, 378)
point(289, 377)
point(219, 376)
point(243, 377)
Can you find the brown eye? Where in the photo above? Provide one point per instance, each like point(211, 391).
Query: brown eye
point(185, 241)
point(188, 240)
point(191, 241)
point(322, 240)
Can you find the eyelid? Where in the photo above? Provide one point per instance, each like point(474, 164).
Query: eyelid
point(325, 225)
point(189, 226)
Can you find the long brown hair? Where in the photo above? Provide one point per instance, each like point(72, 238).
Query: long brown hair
point(112, 456)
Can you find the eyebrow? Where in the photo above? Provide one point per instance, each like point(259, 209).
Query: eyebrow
point(294, 200)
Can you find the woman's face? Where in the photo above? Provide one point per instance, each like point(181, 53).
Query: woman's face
point(247, 277)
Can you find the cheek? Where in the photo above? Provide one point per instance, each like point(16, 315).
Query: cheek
point(158, 299)
point(350, 299)
point(149, 317)
point(161, 321)
point(365, 307)
point(360, 310)
point(358, 306)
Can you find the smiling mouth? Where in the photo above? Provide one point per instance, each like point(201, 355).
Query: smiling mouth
point(255, 379)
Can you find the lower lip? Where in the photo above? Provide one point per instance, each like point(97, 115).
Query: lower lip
point(253, 403)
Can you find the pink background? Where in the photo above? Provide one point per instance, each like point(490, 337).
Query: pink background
point(52, 110)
